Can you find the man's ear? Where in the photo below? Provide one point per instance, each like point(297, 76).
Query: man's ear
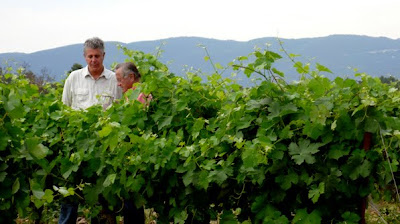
point(132, 77)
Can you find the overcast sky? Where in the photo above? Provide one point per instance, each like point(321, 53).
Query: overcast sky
point(34, 25)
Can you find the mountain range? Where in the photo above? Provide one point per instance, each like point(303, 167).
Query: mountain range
point(342, 54)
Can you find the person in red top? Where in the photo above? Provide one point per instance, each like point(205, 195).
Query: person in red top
point(127, 74)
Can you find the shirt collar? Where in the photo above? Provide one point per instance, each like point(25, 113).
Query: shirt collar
point(104, 74)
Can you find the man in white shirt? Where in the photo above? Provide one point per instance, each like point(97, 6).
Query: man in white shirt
point(93, 84)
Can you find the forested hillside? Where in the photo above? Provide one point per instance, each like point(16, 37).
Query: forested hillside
point(341, 53)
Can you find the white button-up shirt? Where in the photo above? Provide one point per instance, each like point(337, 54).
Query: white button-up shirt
point(81, 90)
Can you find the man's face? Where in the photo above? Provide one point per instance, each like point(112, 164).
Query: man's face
point(94, 58)
point(125, 83)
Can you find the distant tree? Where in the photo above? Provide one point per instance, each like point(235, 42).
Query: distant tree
point(3, 72)
point(389, 80)
point(39, 80)
point(44, 77)
point(2, 75)
point(30, 76)
point(27, 72)
point(74, 67)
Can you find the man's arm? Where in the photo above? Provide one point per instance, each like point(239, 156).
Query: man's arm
point(67, 96)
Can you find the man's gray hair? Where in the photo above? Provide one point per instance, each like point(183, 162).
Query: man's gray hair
point(93, 43)
point(128, 68)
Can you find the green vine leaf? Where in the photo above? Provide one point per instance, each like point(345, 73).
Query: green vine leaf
point(316, 192)
point(304, 151)
point(109, 180)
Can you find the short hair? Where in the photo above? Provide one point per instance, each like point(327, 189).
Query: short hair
point(128, 68)
point(93, 43)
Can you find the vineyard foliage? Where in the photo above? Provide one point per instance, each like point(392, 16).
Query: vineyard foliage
point(205, 147)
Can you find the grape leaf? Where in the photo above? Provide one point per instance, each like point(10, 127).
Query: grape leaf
point(303, 152)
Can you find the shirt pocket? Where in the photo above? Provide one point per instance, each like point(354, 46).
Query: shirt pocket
point(81, 94)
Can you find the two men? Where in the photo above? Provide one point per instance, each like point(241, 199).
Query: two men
point(94, 84)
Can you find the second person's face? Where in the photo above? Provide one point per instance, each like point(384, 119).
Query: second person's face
point(124, 82)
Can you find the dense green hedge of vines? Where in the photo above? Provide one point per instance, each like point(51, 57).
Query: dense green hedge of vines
point(205, 149)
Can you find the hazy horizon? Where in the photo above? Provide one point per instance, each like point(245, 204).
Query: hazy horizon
point(30, 26)
point(197, 37)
